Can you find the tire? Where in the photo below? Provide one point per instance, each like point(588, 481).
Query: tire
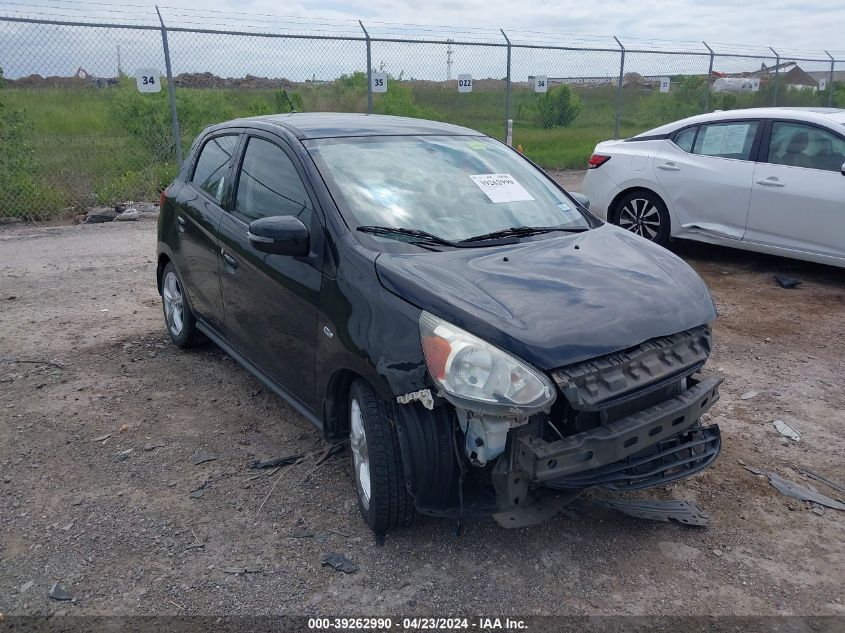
point(383, 498)
point(643, 213)
point(178, 317)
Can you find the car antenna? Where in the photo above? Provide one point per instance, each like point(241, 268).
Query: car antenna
point(290, 103)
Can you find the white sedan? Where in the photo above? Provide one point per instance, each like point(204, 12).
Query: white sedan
point(765, 179)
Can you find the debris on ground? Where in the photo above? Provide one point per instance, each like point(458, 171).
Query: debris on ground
point(301, 534)
point(128, 215)
point(202, 457)
point(331, 449)
point(242, 570)
point(748, 395)
point(122, 456)
point(26, 586)
point(276, 461)
point(670, 510)
point(809, 473)
point(102, 438)
point(58, 593)
point(797, 491)
point(339, 562)
point(152, 446)
point(197, 494)
point(787, 282)
point(787, 430)
point(99, 215)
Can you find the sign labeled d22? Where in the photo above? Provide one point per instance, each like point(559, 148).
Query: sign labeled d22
point(464, 83)
point(379, 82)
point(541, 83)
point(148, 80)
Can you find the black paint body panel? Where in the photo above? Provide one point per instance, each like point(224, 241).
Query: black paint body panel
point(309, 325)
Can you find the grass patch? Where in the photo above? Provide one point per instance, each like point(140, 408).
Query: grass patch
point(101, 146)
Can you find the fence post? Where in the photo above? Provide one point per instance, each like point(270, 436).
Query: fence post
point(171, 93)
point(709, 79)
point(777, 73)
point(507, 85)
point(830, 82)
point(618, 112)
point(369, 70)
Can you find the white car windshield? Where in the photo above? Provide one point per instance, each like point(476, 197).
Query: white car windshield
point(454, 187)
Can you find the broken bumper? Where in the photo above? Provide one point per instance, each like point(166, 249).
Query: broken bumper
point(649, 447)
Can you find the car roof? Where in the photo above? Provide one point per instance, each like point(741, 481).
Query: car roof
point(311, 125)
point(817, 115)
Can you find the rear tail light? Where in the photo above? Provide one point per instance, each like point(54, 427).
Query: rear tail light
point(597, 160)
point(162, 198)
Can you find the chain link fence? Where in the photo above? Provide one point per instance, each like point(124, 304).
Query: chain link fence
point(77, 132)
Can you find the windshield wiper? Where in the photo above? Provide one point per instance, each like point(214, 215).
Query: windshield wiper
point(421, 236)
point(523, 231)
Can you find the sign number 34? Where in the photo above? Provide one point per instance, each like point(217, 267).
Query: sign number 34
point(148, 80)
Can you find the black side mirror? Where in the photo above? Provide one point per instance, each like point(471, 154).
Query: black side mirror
point(581, 199)
point(279, 235)
point(842, 171)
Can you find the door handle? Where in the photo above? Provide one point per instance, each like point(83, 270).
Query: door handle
point(670, 166)
point(180, 224)
point(229, 262)
point(771, 181)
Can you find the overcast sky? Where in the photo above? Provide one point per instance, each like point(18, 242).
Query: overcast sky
point(809, 24)
point(790, 24)
point(734, 26)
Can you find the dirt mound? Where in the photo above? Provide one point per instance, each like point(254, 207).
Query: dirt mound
point(210, 80)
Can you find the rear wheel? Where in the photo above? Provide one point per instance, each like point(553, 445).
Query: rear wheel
point(180, 321)
point(377, 461)
point(643, 213)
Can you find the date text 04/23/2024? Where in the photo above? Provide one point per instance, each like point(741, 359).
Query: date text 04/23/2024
point(417, 624)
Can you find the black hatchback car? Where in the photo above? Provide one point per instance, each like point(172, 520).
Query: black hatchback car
point(432, 296)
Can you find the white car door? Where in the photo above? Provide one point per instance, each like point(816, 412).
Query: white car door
point(798, 196)
point(707, 171)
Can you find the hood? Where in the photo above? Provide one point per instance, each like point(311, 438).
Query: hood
point(558, 301)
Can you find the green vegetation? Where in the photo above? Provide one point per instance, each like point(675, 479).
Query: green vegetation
point(18, 184)
point(64, 148)
point(558, 107)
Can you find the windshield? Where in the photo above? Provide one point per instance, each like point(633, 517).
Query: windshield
point(454, 187)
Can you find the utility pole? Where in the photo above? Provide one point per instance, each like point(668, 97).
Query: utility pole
point(119, 66)
point(449, 60)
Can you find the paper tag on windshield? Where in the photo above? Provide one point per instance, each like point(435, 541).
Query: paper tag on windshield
point(501, 188)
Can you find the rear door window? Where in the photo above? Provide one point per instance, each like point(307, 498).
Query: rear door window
point(213, 165)
point(799, 145)
point(726, 140)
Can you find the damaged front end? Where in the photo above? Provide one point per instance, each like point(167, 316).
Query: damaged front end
point(623, 421)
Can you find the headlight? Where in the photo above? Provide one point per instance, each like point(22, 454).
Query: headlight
point(469, 369)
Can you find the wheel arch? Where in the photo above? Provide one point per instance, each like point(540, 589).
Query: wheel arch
point(335, 412)
point(163, 260)
point(613, 211)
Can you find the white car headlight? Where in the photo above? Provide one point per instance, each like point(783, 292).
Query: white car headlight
point(469, 369)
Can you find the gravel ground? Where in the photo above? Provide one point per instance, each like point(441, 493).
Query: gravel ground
point(99, 491)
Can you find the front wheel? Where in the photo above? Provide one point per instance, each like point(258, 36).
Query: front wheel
point(383, 498)
point(644, 213)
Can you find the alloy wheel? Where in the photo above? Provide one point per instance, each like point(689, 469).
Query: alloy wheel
point(640, 216)
point(174, 304)
point(360, 454)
